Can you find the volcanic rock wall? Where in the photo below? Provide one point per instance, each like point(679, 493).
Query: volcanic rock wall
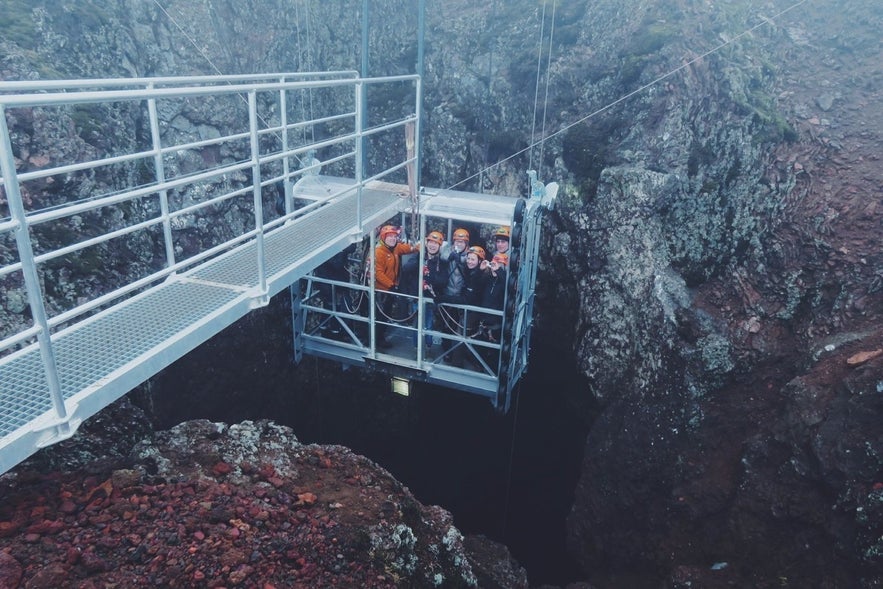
point(714, 239)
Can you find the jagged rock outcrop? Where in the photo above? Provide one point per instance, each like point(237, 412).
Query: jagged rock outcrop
point(724, 380)
point(207, 504)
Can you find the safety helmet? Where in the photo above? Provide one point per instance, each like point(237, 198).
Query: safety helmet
point(501, 259)
point(461, 234)
point(436, 236)
point(478, 251)
point(386, 230)
point(503, 231)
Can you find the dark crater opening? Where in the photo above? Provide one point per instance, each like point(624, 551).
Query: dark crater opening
point(508, 477)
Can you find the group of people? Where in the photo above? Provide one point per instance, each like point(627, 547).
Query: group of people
point(455, 273)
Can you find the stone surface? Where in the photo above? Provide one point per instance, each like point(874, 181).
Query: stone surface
point(209, 505)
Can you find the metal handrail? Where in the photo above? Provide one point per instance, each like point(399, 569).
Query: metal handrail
point(165, 184)
point(67, 85)
point(90, 97)
point(57, 93)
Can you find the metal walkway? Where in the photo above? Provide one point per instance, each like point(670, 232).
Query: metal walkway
point(102, 358)
point(56, 370)
point(79, 328)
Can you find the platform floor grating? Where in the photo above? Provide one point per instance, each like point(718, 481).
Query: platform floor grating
point(101, 345)
point(140, 331)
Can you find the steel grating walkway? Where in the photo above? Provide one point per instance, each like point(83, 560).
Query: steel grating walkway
point(105, 356)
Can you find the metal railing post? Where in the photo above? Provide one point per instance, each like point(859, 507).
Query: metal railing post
point(256, 190)
point(29, 270)
point(372, 295)
point(360, 151)
point(160, 176)
point(286, 166)
point(418, 131)
point(421, 297)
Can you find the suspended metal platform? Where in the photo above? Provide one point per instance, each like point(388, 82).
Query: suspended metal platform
point(117, 258)
point(338, 319)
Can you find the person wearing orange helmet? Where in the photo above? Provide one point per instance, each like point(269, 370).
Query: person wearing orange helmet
point(459, 243)
point(500, 259)
point(456, 255)
point(460, 234)
point(501, 239)
point(494, 295)
point(387, 270)
point(432, 279)
point(387, 258)
point(474, 279)
point(471, 291)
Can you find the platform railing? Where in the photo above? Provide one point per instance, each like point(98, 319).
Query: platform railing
point(177, 172)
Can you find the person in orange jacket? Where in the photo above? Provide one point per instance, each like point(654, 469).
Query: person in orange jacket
point(387, 271)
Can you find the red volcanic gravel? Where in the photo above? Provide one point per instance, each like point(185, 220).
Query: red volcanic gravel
point(320, 516)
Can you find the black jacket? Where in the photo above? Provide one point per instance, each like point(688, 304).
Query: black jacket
point(472, 291)
point(435, 275)
point(494, 296)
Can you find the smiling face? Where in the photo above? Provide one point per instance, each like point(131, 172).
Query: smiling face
point(501, 244)
point(390, 239)
point(471, 260)
point(432, 247)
